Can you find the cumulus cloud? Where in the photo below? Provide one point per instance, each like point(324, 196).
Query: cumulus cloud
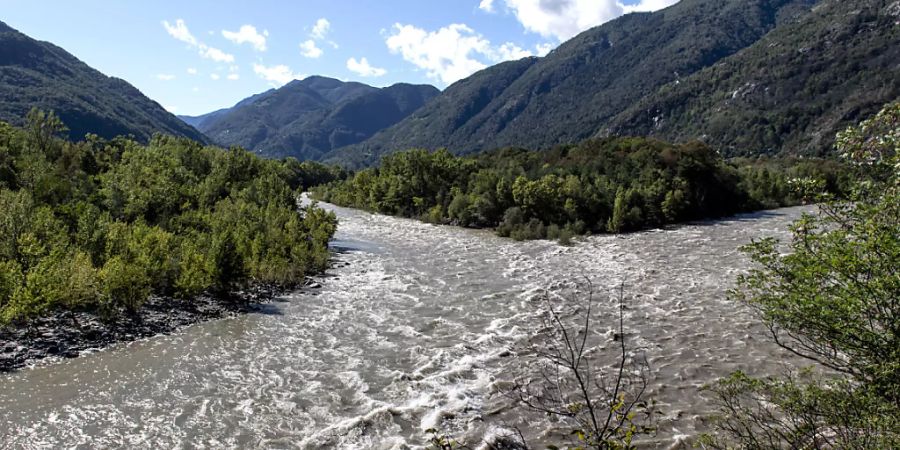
point(165, 77)
point(450, 53)
point(486, 5)
point(277, 76)
point(564, 19)
point(248, 34)
point(320, 29)
point(192, 71)
point(650, 5)
point(543, 49)
point(233, 76)
point(216, 55)
point(510, 51)
point(214, 76)
point(180, 31)
point(310, 50)
point(363, 68)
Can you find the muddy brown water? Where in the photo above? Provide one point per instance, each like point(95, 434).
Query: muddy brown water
point(414, 327)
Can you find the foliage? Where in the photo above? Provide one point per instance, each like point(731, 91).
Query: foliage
point(104, 224)
point(607, 185)
point(832, 298)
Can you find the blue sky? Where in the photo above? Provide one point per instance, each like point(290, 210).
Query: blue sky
point(197, 56)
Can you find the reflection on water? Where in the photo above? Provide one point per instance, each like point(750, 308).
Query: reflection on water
point(414, 327)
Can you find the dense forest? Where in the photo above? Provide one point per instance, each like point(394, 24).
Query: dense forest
point(605, 185)
point(101, 225)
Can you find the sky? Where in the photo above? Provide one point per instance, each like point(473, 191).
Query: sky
point(196, 56)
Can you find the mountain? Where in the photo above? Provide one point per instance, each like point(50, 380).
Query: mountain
point(572, 92)
point(792, 91)
point(609, 80)
point(308, 118)
point(40, 74)
point(206, 120)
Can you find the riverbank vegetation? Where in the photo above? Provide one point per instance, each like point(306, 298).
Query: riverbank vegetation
point(608, 185)
point(102, 225)
point(833, 299)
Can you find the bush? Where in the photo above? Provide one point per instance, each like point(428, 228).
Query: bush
point(832, 298)
point(607, 185)
point(113, 222)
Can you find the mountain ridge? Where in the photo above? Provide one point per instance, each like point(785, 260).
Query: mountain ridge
point(307, 118)
point(568, 95)
point(40, 74)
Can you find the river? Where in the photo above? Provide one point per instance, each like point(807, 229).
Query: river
point(415, 326)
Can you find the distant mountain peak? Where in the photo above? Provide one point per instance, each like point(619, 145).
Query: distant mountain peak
point(309, 117)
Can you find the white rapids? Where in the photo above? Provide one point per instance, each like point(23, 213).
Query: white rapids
point(416, 326)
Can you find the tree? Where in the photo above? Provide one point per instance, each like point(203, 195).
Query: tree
point(601, 408)
point(833, 299)
point(604, 408)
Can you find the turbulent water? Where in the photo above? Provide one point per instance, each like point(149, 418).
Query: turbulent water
point(416, 326)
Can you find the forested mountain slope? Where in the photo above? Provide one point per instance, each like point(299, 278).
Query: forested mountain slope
point(40, 74)
point(581, 86)
point(791, 91)
point(307, 118)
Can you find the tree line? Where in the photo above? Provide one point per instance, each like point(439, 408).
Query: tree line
point(607, 185)
point(101, 225)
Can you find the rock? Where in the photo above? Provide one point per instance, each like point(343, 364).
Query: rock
point(67, 334)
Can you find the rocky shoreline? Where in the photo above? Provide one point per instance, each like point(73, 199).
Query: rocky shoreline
point(67, 334)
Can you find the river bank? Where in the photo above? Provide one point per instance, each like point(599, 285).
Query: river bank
point(69, 334)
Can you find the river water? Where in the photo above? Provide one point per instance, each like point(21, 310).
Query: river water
point(416, 326)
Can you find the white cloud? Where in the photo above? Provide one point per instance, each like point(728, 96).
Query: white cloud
point(650, 5)
point(277, 76)
point(310, 50)
point(510, 51)
point(564, 19)
point(248, 34)
point(450, 53)
point(233, 76)
point(543, 49)
point(363, 68)
point(214, 76)
point(165, 77)
point(192, 71)
point(486, 5)
point(180, 31)
point(216, 54)
point(321, 29)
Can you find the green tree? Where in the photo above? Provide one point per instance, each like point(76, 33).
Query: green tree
point(832, 299)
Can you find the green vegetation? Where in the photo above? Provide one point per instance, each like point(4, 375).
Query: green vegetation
point(832, 298)
point(607, 185)
point(101, 225)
